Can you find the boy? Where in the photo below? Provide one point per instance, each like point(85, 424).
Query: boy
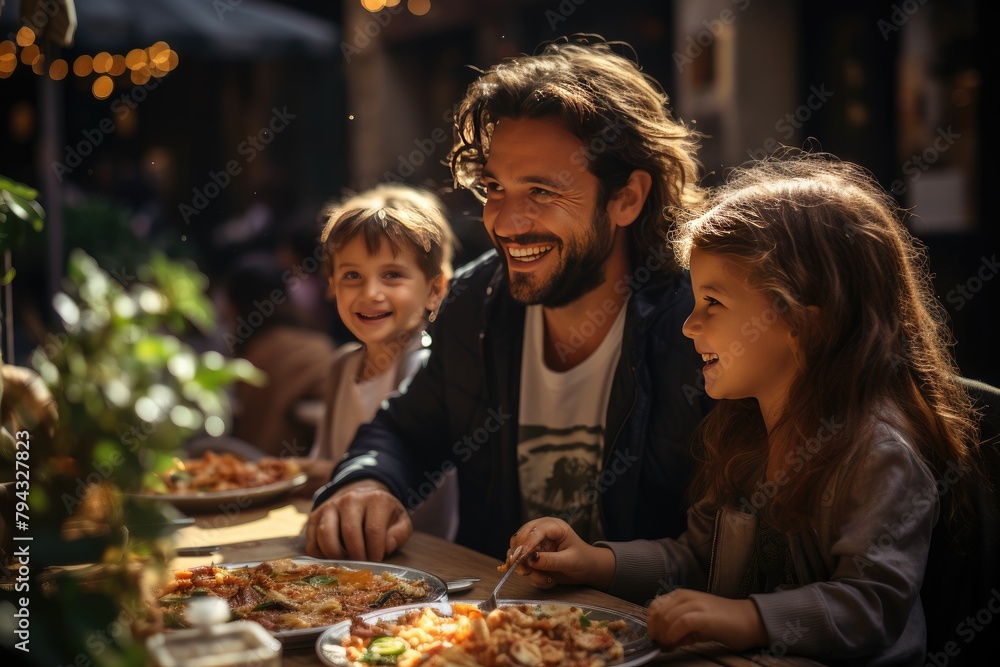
point(388, 253)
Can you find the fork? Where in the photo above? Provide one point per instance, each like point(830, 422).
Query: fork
point(490, 603)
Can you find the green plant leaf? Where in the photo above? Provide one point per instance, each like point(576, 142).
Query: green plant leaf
point(26, 210)
point(20, 189)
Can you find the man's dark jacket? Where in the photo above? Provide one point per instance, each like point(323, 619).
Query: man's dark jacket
point(461, 411)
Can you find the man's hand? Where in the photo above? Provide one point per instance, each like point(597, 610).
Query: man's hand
point(361, 521)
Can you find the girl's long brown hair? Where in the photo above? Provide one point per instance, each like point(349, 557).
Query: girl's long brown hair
point(822, 238)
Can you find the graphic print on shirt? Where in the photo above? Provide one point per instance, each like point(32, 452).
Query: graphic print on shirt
point(558, 470)
point(561, 419)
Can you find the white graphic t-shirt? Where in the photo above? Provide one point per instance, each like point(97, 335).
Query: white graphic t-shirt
point(561, 427)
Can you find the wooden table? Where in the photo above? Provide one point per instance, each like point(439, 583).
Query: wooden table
point(276, 531)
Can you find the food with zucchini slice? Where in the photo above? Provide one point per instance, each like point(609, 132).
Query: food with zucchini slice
point(285, 595)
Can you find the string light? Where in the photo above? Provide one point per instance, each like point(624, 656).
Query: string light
point(117, 65)
point(83, 65)
point(29, 54)
point(8, 58)
point(103, 85)
point(140, 65)
point(418, 7)
point(415, 7)
point(102, 62)
point(25, 36)
point(58, 69)
point(140, 75)
point(135, 58)
point(38, 64)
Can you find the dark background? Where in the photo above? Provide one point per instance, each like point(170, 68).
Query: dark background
point(371, 105)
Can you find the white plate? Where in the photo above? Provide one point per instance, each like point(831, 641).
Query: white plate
point(639, 649)
point(228, 501)
point(438, 590)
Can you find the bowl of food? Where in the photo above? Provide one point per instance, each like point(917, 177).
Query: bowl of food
point(297, 598)
point(521, 632)
point(217, 480)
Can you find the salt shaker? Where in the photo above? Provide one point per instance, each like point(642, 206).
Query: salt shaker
point(212, 642)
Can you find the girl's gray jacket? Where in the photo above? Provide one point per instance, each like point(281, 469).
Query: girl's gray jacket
point(858, 599)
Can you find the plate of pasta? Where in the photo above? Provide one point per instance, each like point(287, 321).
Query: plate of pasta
point(295, 599)
point(518, 632)
point(214, 481)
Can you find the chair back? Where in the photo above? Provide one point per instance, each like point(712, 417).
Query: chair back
point(961, 589)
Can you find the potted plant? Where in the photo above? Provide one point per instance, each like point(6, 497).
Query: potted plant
point(128, 390)
point(19, 213)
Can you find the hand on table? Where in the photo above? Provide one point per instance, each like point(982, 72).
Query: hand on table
point(562, 556)
point(685, 616)
point(361, 521)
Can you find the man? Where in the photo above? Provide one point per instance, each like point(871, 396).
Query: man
point(559, 381)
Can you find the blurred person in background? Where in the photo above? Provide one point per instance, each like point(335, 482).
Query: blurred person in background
point(301, 253)
point(266, 328)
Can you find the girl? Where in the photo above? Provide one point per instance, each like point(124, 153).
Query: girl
point(388, 255)
point(840, 407)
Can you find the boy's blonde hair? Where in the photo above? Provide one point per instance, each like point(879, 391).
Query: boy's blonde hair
point(400, 215)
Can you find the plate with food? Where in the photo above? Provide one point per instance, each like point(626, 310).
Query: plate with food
point(297, 598)
point(520, 632)
point(215, 482)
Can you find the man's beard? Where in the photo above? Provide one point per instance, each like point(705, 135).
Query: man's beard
point(582, 268)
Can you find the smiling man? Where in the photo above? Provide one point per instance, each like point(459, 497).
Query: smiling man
point(559, 383)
